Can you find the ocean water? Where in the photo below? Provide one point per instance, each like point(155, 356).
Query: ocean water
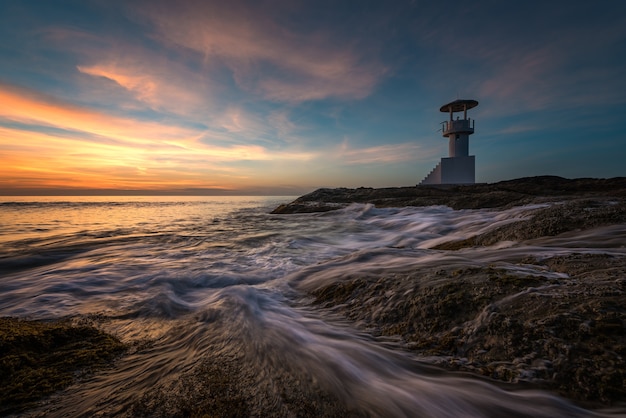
point(183, 279)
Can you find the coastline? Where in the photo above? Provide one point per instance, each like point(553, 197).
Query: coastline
point(533, 302)
point(500, 195)
point(562, 329)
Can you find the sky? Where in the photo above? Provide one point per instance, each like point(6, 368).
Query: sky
point(283, 97)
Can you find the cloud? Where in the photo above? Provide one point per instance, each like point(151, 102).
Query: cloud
point(27, 107)
point(518, 128)
point(349, 85)
point(53, 161)
point(126, 71)
point(381, 154)
point(74, 146)
point(159, 84)
point(284, 127)
point(523, 82)
point(241, 123)
point(524, 57)
point(264, 56)
point(86, 125)
point(549, 78)
point(141, 85)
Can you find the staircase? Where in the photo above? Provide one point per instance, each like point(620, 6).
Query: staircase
point(434, 177)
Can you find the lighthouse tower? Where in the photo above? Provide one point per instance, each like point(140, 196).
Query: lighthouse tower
point(459, 167)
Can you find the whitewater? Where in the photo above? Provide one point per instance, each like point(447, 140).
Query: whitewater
point(194, 284)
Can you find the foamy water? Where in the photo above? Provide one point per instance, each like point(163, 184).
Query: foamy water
point(194, 278)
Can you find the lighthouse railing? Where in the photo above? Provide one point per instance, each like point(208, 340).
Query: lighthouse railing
point(459, 125)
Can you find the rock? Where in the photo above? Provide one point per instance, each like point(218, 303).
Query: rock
point(565, 335)
point(40, 358)
point(562, 332)
point(573, 215)
point(503, 194)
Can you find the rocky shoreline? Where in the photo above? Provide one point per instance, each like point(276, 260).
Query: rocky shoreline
point(562, 329)
point(561, 334)
point(500, 195)
point(554, 321)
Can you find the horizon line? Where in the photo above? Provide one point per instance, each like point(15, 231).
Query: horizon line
point(59, 194)
point(119, 192)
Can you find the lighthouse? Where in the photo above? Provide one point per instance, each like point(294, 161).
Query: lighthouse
point(459, 167)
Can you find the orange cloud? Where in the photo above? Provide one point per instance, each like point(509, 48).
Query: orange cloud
point(126, 74)
point(143, 86)
point(50, 161)
point(87, 148)
point(157, 83)
point(29, 108)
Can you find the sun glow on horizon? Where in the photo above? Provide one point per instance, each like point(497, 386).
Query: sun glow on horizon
point(60, 145)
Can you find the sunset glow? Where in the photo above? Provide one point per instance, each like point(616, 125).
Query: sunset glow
point(244, 97)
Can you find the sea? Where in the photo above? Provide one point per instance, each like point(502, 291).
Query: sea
point(161, 272)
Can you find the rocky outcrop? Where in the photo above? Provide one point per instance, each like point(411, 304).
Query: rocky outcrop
point(573, 215)
point(555, 323)
point(564, 334)
point(477, 196)
point(39, 358)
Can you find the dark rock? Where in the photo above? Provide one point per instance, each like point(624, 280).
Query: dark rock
point(565, 335)
point(40, 358)
point(503, 194)
point(573, 215)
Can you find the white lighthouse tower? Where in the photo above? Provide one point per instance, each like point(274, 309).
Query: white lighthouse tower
point(459, 167)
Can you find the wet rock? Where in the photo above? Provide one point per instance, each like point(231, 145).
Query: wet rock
point(565, 332)
point(566, 335)
point(227, 382)
point(574, 215)
point(308, 207)
point(477, 196)
point(40, 358)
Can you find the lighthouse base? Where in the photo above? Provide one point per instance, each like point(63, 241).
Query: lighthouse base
point(453, 170)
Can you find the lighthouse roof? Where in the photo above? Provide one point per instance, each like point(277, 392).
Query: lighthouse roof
point(458, 105)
